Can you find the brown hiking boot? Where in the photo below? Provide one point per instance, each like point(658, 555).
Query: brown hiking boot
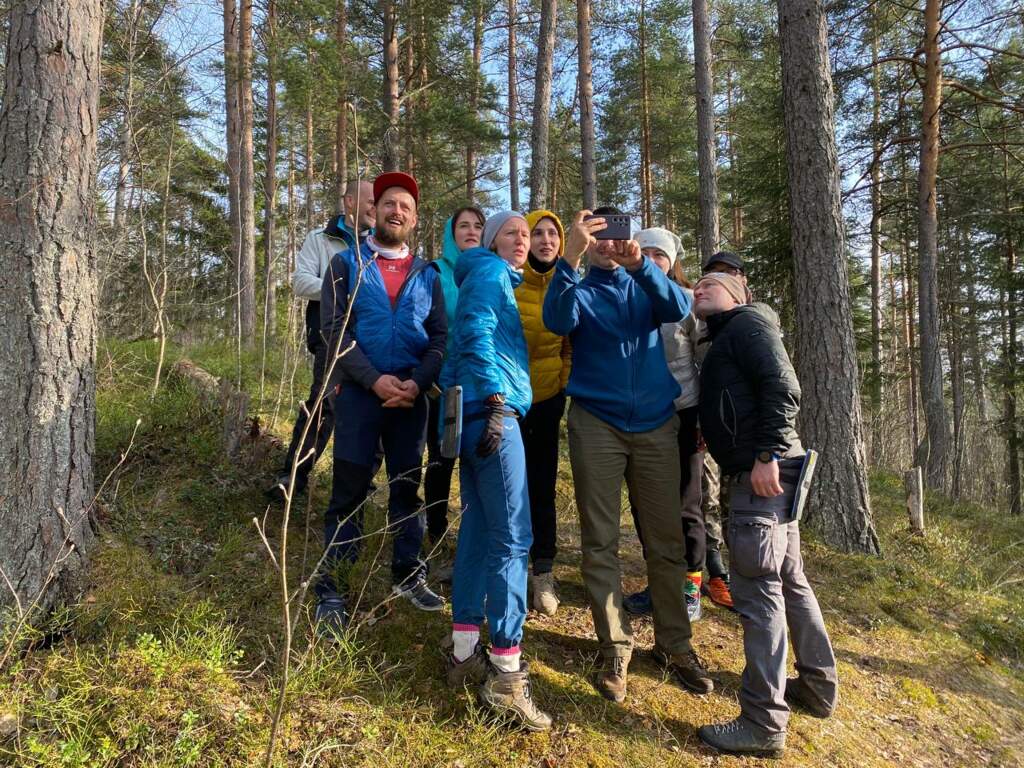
point(508, 694)
point(610, 680)
point(687, 669)
point(800, 697)
point(469, 671)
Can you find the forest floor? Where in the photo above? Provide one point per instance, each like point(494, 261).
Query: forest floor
point(171, 656)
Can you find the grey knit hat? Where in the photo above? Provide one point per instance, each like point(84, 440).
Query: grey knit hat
point(494, 224)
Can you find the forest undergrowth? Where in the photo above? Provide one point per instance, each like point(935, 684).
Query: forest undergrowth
point(171, 656)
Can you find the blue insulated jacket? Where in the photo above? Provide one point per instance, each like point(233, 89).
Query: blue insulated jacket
point(613, 318)
point(490, 352)
point(446, 265)
point(406, 341)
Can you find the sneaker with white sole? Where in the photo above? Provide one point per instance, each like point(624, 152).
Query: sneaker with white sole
point(419, 594)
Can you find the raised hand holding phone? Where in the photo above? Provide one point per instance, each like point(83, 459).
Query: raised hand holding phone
point(581, 235)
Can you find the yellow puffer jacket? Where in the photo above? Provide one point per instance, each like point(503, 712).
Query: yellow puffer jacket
point(550, 355)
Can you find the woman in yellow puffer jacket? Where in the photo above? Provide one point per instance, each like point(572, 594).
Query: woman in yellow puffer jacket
point(550, 358)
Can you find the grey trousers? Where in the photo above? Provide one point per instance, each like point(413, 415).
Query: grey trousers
point(602, 456)
point(771, 593)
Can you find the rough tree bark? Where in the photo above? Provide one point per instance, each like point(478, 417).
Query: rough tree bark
point(246, 177)
point(830, 417)
point(390, 98)
point(707, 163)
point(585, 80)
point(474, 96)
point(646, 180)
point(875, 378)
point(513, 108)
point(48, 128)
point(231, 132)
point(270, 176)
point(341, 126)
point(542, 106)
point(936, 442)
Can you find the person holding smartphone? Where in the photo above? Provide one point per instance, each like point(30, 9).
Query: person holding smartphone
point(623, 427)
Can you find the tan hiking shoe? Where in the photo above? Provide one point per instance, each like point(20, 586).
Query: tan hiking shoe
point(687, 669)
point(469, 671)
point(508, 694)
point(610, 680)
point(544, 598)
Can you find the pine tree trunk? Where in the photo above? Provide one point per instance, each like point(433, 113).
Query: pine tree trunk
point(341, 127)
point(1010, 358)
point(830, 416)
point(232, 129)
point(474, 97)
point(542, 105)
point(936, 458)
point(513, 109)
point(875, 378)
point(734, 168)
point(707, 163)
point(270, 175)
point(646, 183)
point(246, 177)
point(392, 140)
point(585, 81)
point(48, 132)
point(310, 211)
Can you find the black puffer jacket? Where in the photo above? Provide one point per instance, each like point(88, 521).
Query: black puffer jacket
point(749, 393)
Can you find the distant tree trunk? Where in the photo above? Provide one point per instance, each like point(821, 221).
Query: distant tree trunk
point(646, 182)
point(707, 163)
point(124, 142)
point(341, 127)
point(734, 168)
point(542, 105)
point(246, 177)
point(474, 96)
point(270, 176)
point(310, 151)
point(1010, 357)
point(825, 347)
point(936, 442)
point(48, 127)
point(513, 109)
point(875, 378)
point(585, 80)
point(232, 130)
point(392, 140)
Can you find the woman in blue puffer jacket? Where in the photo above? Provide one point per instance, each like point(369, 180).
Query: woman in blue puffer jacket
point(491, 364)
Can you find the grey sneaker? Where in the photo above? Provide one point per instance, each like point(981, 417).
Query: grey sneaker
point(739, 737)
point(419, 594)
point(469, 671)
point(610, 680)
point(544, 598)
point(800, 697)
point(508, 694)
point(331, 617)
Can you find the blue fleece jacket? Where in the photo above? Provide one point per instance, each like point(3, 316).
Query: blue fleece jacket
point(489, 349)
point(613, 318)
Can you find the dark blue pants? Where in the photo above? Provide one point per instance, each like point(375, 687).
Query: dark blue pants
point(401, 433)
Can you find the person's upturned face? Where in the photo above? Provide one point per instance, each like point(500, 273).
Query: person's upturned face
point(600, 254)
point(396, 216)
point(544, 241)
point(367, 214)
point(467, 229)
point(710, 297)
point(660, 259)
point(512, 242)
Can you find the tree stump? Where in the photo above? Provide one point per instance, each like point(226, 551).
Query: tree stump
point(915, 500)
point(219, 394)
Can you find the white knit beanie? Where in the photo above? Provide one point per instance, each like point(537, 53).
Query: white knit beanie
point(665, 241)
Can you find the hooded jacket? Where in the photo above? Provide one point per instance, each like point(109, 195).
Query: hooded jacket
point(680, 340)
point(311, 264)
point(749, 393)
point(407, 340)
point(489, 347)
point(613, 318)
point(550, 354)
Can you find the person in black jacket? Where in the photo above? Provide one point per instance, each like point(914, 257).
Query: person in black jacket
point(749, 399)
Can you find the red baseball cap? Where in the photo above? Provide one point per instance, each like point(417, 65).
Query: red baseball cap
point(396, 179)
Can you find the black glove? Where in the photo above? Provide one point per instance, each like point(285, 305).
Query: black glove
point(490, 438)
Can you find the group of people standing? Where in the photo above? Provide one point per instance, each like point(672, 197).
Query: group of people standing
point(508, 315)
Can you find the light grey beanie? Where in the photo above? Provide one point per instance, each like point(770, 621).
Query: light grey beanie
point(494, 224)
point(663, 240)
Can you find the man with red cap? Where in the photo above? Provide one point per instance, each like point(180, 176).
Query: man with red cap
point(382, 312)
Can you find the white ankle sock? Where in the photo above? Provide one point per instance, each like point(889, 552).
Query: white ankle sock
point(466, 637)
point(506, 659)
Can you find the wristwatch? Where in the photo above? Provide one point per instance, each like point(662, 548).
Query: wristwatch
point(767, 457)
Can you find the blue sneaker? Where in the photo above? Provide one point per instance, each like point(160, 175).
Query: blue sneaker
point(639, 603)
point(331, 617)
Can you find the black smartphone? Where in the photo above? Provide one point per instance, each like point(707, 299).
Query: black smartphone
point(619, 226)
